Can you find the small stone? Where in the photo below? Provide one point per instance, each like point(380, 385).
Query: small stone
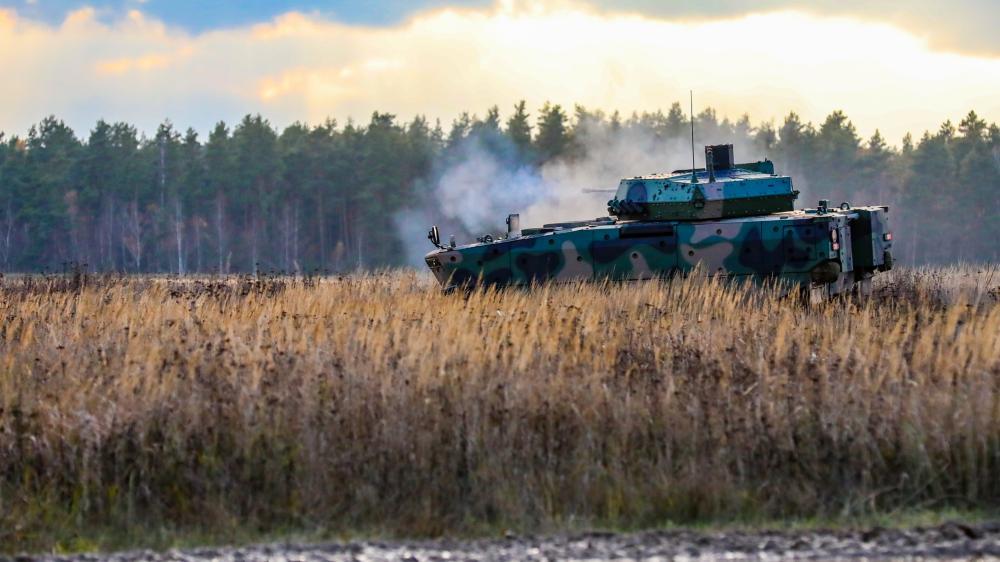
point(872, 534)
point(769, 545)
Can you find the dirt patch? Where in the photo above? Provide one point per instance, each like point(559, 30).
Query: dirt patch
point(950, 541)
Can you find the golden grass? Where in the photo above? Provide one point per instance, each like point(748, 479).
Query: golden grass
point(375, 402)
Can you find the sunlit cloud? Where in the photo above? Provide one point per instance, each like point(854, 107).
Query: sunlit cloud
point(441, 62)
point(966, 26)
point(7, 20)
point(142, 63)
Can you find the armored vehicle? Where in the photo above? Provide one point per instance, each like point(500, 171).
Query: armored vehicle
point(736, 220)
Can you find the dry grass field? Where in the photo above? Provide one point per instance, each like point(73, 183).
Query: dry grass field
point(376, 403)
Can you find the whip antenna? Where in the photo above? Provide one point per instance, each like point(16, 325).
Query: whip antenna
point(694, 177)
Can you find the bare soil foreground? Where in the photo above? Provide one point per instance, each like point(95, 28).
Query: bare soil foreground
point(950, 541)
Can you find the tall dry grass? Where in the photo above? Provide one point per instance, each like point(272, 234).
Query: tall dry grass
point(375, 402)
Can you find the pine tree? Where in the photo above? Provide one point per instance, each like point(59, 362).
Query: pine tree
point(796, 143)
point(220, 169)
point(48, 200)
point(13, 180)
point(707, 129)
point(190, 193)
point(130, 189)
point(876, 177)
point(161, 156)
point(386, 189)
point(257, 170)
point(588, 127)
point(677, 122)
point(552, 138)
point(615, 122)
point(487, 135)
point(519, 130)
point(95, 196)
point(976, 189)
point(460, 129)
point(766, 137)
point(929, 191)
point(489, 126)
point(839, 145)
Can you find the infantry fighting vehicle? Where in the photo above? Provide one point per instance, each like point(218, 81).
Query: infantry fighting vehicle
point(730, 219)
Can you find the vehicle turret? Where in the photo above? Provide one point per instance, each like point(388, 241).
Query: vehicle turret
point(722, 189)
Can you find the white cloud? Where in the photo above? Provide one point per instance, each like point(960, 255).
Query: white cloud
point(955, 25)
point(438, 63)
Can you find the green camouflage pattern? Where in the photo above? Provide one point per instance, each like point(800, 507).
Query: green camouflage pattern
point(743, 191)
point(827, 251)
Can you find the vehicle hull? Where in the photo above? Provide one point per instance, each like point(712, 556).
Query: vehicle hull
point(825, 253)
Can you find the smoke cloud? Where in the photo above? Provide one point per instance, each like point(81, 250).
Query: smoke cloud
point(478, 182)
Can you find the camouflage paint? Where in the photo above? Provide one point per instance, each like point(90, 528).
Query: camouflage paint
point(786, 245)
point(686, 227)
point(747, 190)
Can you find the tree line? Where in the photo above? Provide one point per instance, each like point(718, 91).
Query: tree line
point(322, 198)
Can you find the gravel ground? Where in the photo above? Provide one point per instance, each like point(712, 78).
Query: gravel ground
point(951, 541)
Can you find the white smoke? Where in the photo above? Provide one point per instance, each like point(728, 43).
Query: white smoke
point(477, 188)
point(608, 155)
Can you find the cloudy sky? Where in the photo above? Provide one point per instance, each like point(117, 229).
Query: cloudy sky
point(899, 66)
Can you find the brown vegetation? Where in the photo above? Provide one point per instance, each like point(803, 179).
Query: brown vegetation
point(375, 402)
